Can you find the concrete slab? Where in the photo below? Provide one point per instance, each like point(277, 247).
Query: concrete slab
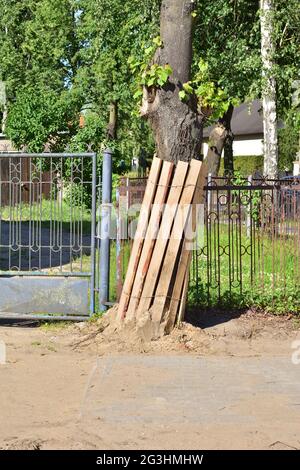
point(197, 393)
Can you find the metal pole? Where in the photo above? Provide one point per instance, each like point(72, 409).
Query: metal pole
point(105, 229)
point(209, 195)
point(249, 209)
point(118, 247)
point(93, 230)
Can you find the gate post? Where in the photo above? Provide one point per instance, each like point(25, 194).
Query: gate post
point(93, 229)
point(105, 229)
point(249, 215)
point(209, 194)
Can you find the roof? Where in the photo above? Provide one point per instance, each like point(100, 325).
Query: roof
point(5, 144)
point(247, 119)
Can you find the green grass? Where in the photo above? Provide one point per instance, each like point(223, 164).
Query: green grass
point(47, 211)
point(80, 264)
point(61, 213)
point(271, 283)
point(54, 325)
point(84, 265)
point(270, 280)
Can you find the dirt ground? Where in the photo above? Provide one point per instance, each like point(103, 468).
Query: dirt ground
point(217, 382)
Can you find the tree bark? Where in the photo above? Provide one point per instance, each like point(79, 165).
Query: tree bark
point(221, 138)
point(3, 104)
point(228, 145)
point(177, 125)
point(113, 121)
point(4, 118)
point(269, 92)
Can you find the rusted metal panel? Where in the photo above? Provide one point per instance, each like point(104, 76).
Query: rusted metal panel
point(37, 295)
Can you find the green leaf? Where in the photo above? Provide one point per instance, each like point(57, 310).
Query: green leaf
point(163, 75)
point(168, 69)
point(188, 88)
point(150, 82)
point(138, 94)
point(182, 95)
point(149, 50)
point(157, 41)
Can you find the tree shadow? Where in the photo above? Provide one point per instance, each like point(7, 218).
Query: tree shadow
point(19, 323)
point(31, 246)
point(208, 317)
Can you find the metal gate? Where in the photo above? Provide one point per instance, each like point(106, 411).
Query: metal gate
point(248, 251)
point(47, 235)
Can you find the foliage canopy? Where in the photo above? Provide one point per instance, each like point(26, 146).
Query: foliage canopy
point(64, 58)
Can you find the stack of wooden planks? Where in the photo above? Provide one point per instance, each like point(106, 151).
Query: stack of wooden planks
point(157, 276)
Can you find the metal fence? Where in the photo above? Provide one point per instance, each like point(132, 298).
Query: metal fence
point(54, 259)
point(248, 247)
point(247, 250)
point(130, 193)
point(47, 234)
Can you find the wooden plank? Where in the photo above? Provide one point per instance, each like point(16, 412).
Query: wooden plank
point(180, 222)
point(121, 212)
point(163, 237)
point(178, 288)
point(186, 255)
point(183, 299)
point(139, 236)
point(151, 235)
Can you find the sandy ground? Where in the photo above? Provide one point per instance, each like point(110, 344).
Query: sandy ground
point(224, 383)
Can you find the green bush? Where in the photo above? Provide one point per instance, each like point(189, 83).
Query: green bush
point(288, 141)
point(245, 165)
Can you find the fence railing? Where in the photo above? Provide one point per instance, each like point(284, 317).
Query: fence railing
point(247, 251)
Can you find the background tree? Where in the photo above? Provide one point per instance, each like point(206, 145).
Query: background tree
point(227, 38)
point(286, 36)
point(39, 62)
point(269, 91)
point(110, 32)
point(64, 58)
point(231, 49)
point(176, 123)
point(70, 57)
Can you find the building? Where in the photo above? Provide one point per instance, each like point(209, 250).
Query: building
point(296, 169)
point(247, 127)
point(5, 144)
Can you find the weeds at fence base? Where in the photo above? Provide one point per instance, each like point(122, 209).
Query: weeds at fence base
point(277, 301)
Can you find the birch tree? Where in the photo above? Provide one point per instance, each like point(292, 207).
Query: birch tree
point(269, 91)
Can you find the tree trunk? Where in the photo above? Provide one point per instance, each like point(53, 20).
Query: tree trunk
point(269, 92)
point(221, 138)
point(4, 118)
point(228, 145)
point(3, 104)
point(113, 121)
point(177, 125)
